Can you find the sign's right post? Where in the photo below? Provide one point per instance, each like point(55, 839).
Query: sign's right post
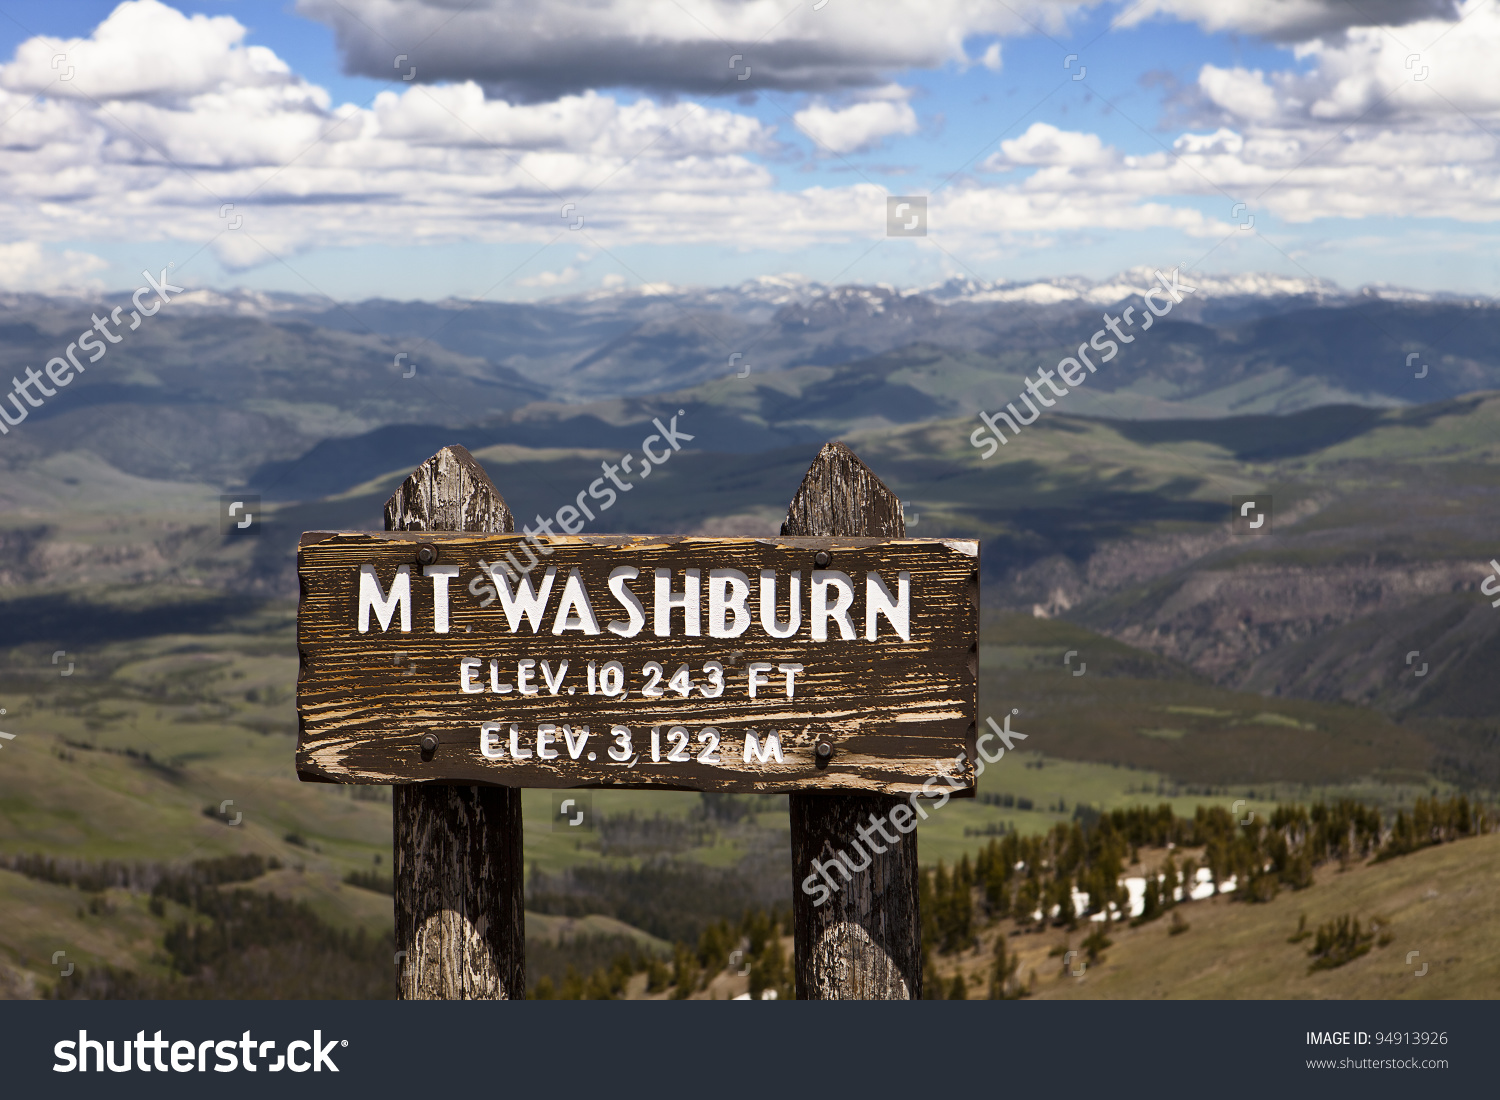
point(864, 941)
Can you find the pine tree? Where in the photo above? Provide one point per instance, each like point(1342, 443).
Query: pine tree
point(1338, 942)
point(620, 973)
point(658, 977)
point(1003, 971)
point(1151, 907)
point(961, 909)
point(597, 988)
point(1028, 898)
point(927, 909)
point(959, 990)
point(996, 881)
point(1169, 883)
point(684, 971)
point(1095, 943)
point(932, 985)
point(768, 970)
point(1189, 878)
point(1298, 874)
point(758, 928)
point(1060, 894)
point(714, 946)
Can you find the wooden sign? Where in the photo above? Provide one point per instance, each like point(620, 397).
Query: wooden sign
point(713, 664)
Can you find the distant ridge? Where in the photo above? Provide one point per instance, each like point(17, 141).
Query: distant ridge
point(768, 293)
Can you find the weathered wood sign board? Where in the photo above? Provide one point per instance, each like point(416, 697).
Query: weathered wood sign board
point(713, 664)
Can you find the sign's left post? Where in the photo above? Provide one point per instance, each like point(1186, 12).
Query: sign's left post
point(460, 925)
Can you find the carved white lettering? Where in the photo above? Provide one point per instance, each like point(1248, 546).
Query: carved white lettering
point(524, 672)
point(878, 602)
point(524, 600)
point(628, 600)
point(575, 746)
point(612, 678)
point(489, 740)
point(768, 621)
point(573, 610)
point(755, 672)
point(546, 735)
point(728, 589)
point(554, 682)
point(791, 677)
point(764, 753)
point(441, 575)
point(371, 595)
point(819, 610)
point(515, 743)
point(687, 599)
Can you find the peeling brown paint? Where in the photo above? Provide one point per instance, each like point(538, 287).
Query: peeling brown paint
point(897, 711)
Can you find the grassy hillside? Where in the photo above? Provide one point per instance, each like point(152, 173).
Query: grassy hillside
point(1442, 902)
point(122, 759)
point(1136, 709)
point(1213, 668)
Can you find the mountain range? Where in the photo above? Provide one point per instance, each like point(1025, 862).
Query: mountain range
point(242, 383)
point(1368, 416)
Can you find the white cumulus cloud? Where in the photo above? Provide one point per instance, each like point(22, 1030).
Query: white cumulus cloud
point(25, 265)
point(1046, 144)
point(551, 278)
point(130, 151)
point(147, 50)
point(859, 126)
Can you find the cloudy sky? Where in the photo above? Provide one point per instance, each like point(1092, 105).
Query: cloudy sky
point(516, 149)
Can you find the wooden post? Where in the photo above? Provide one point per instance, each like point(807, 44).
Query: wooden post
point(865, 941)
point(459, 873)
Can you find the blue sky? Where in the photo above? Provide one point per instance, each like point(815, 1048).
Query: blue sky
point(1363, 154)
